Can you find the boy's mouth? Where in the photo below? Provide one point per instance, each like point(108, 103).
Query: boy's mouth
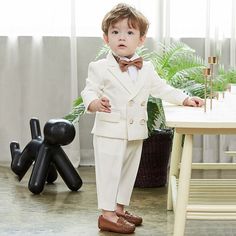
point(121, 46)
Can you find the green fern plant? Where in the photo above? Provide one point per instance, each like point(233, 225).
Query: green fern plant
point(156, 115)
point(178, 64)
point(229, 76)
point(78, 109)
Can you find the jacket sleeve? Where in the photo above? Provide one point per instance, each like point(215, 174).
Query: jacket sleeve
point(93, 88)
point(160, 89)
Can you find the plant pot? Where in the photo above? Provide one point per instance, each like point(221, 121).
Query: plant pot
point(155, 156)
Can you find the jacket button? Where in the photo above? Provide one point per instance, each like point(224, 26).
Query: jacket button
point(143, 103)
point(131, 121)
point(131, 103)
point(142, 122)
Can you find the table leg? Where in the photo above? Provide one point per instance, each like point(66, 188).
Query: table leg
point(183, 188)
point(174, 165)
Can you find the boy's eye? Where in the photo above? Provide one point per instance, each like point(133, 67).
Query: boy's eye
point(114, 32)
point(130, 32)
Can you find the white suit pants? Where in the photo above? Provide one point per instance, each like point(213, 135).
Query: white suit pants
point(116, 166)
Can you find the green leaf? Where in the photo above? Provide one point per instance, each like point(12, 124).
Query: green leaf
point(77, 111)
point(155, 114)
point(102, 52)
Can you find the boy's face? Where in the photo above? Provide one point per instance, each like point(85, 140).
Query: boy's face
point(122, 39)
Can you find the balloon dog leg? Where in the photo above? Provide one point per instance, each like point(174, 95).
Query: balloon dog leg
point(66, 169)
point(40, 170)
point(21, 161)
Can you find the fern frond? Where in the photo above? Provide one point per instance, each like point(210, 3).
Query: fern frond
point(77, 111)
point(185, 66)
point(102, 52)
point(143, 52)
point(174, 51)
point(155, 114)
point(195, 89)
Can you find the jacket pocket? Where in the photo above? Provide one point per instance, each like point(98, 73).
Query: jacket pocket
point(113, 117)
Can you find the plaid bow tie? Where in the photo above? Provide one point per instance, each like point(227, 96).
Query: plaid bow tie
point(125, 64)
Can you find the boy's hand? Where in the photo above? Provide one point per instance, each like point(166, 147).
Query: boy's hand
point(193, 102)
point(102, 105)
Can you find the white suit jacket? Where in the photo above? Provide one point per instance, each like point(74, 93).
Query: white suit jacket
point(128, 117)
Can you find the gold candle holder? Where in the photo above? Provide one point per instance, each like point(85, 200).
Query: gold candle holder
point(206, 73)
point(212, 60)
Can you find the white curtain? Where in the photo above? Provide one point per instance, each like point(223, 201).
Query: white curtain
point(38, 73)
point(73, 150)
point(35, 81)
point(220, 23)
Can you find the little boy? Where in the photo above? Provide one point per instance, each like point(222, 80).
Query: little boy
point(117, 89)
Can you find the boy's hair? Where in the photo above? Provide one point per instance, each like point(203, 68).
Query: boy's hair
point(122, 11)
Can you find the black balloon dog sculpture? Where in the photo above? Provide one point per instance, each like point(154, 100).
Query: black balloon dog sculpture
point(49, 157)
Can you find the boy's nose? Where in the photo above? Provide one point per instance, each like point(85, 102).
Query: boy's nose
point(122, 37)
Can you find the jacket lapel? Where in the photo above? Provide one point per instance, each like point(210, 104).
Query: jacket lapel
point(122, 77)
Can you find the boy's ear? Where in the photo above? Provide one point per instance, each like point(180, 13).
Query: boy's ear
point(142, 40)
point(105, 38)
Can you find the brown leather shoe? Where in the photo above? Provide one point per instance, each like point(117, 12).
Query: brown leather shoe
point(121, 226)
point(136, 220)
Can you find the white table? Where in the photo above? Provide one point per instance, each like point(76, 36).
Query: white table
point(191, 198)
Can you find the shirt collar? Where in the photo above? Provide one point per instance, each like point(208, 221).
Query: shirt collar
point(135, 56)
